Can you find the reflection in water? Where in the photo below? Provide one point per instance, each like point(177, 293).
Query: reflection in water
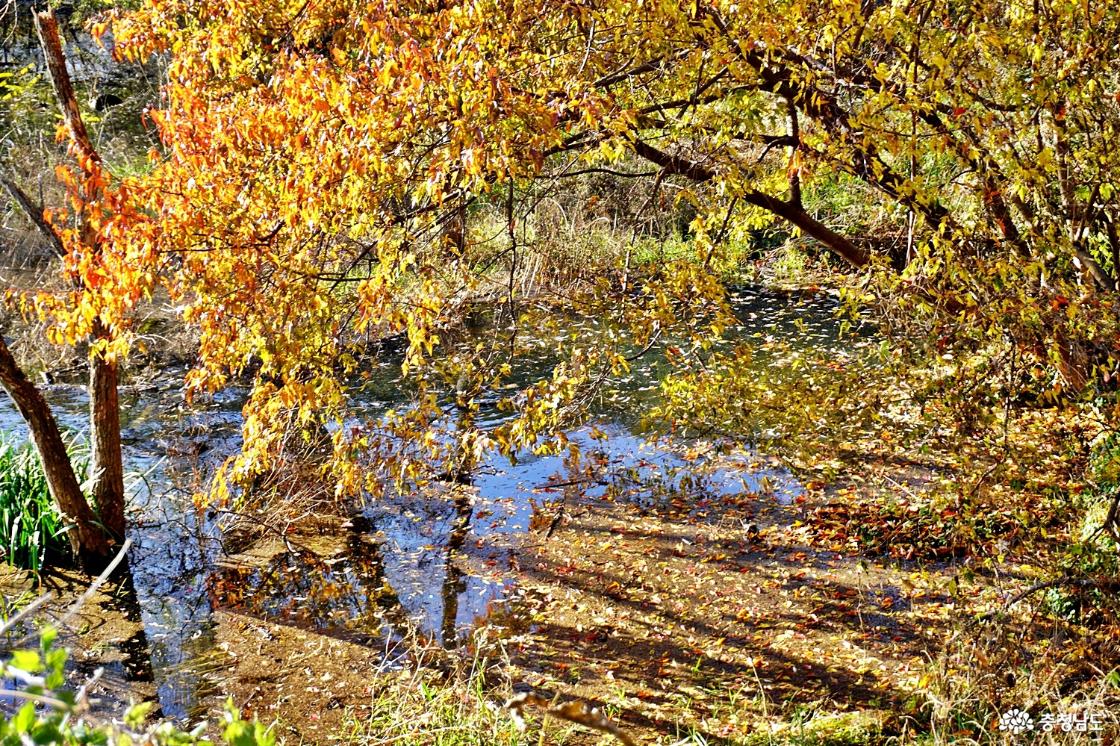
point(438, 563)
point(136, 659)
point(338, 589)
point(432, 555)
point(174, 547)
point(455, 582)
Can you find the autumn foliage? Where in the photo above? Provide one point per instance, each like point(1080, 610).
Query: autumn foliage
point(316, 151)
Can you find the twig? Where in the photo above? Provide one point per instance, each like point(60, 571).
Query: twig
point(1059, 582)
point(81, 699)
point(432, 732)
point(573, 711)
point(38, 698)
point(555, 522)
point(96, 583)
point(648, 347)
point(26, 611)
point(1110, 520)
point(292, 546)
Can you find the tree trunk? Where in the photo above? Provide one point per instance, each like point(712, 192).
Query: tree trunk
point(106, 467)
point(89, 542)
point(49, 39)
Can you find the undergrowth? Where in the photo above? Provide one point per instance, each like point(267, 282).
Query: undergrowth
point(415, 707)
point(32, 531)
point(1050, 650)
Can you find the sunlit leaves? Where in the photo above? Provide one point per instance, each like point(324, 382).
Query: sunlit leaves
point(315, 155)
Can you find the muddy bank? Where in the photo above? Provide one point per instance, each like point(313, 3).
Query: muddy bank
point(687, 612)
point(105, 632)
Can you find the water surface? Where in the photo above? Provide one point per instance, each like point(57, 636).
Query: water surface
point(438, 566)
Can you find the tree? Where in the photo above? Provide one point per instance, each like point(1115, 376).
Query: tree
point(102, 288)
point(313, 150)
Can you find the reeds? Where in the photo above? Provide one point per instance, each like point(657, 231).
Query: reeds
point(31, 528)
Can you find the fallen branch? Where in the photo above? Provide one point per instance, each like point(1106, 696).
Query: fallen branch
point(576, 712)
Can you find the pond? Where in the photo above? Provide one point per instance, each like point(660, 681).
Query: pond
point(434, 567)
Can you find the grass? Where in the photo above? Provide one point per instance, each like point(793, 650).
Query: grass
point(31, 528)
point(417, 708)
point(837, 729)
point(414, 708)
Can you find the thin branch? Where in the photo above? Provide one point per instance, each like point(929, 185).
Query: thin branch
point(35, 215)
point(100, 581)
point(608, 171)
point(1045, 585)
point(25, 612)
point(41, 699)
point(647, 348)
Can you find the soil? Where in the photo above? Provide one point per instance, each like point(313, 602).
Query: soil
point(103, 633)
point(310, 683)
point(668, 616)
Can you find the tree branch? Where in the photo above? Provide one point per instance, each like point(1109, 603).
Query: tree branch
point(35, 215)
point(841, 245)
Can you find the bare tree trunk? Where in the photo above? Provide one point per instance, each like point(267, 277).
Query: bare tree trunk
point(89, 542)
point(106, 464)
point(46, 26)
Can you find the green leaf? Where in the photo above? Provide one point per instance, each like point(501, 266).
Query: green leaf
point(24, 719)
point(47, 638)
point(137, 714)
point(27, 660)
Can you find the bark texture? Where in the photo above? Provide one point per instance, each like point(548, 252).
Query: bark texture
point(106, 465)
point(89, 542)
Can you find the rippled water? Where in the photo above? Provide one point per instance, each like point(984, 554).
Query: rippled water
point(437, 565)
